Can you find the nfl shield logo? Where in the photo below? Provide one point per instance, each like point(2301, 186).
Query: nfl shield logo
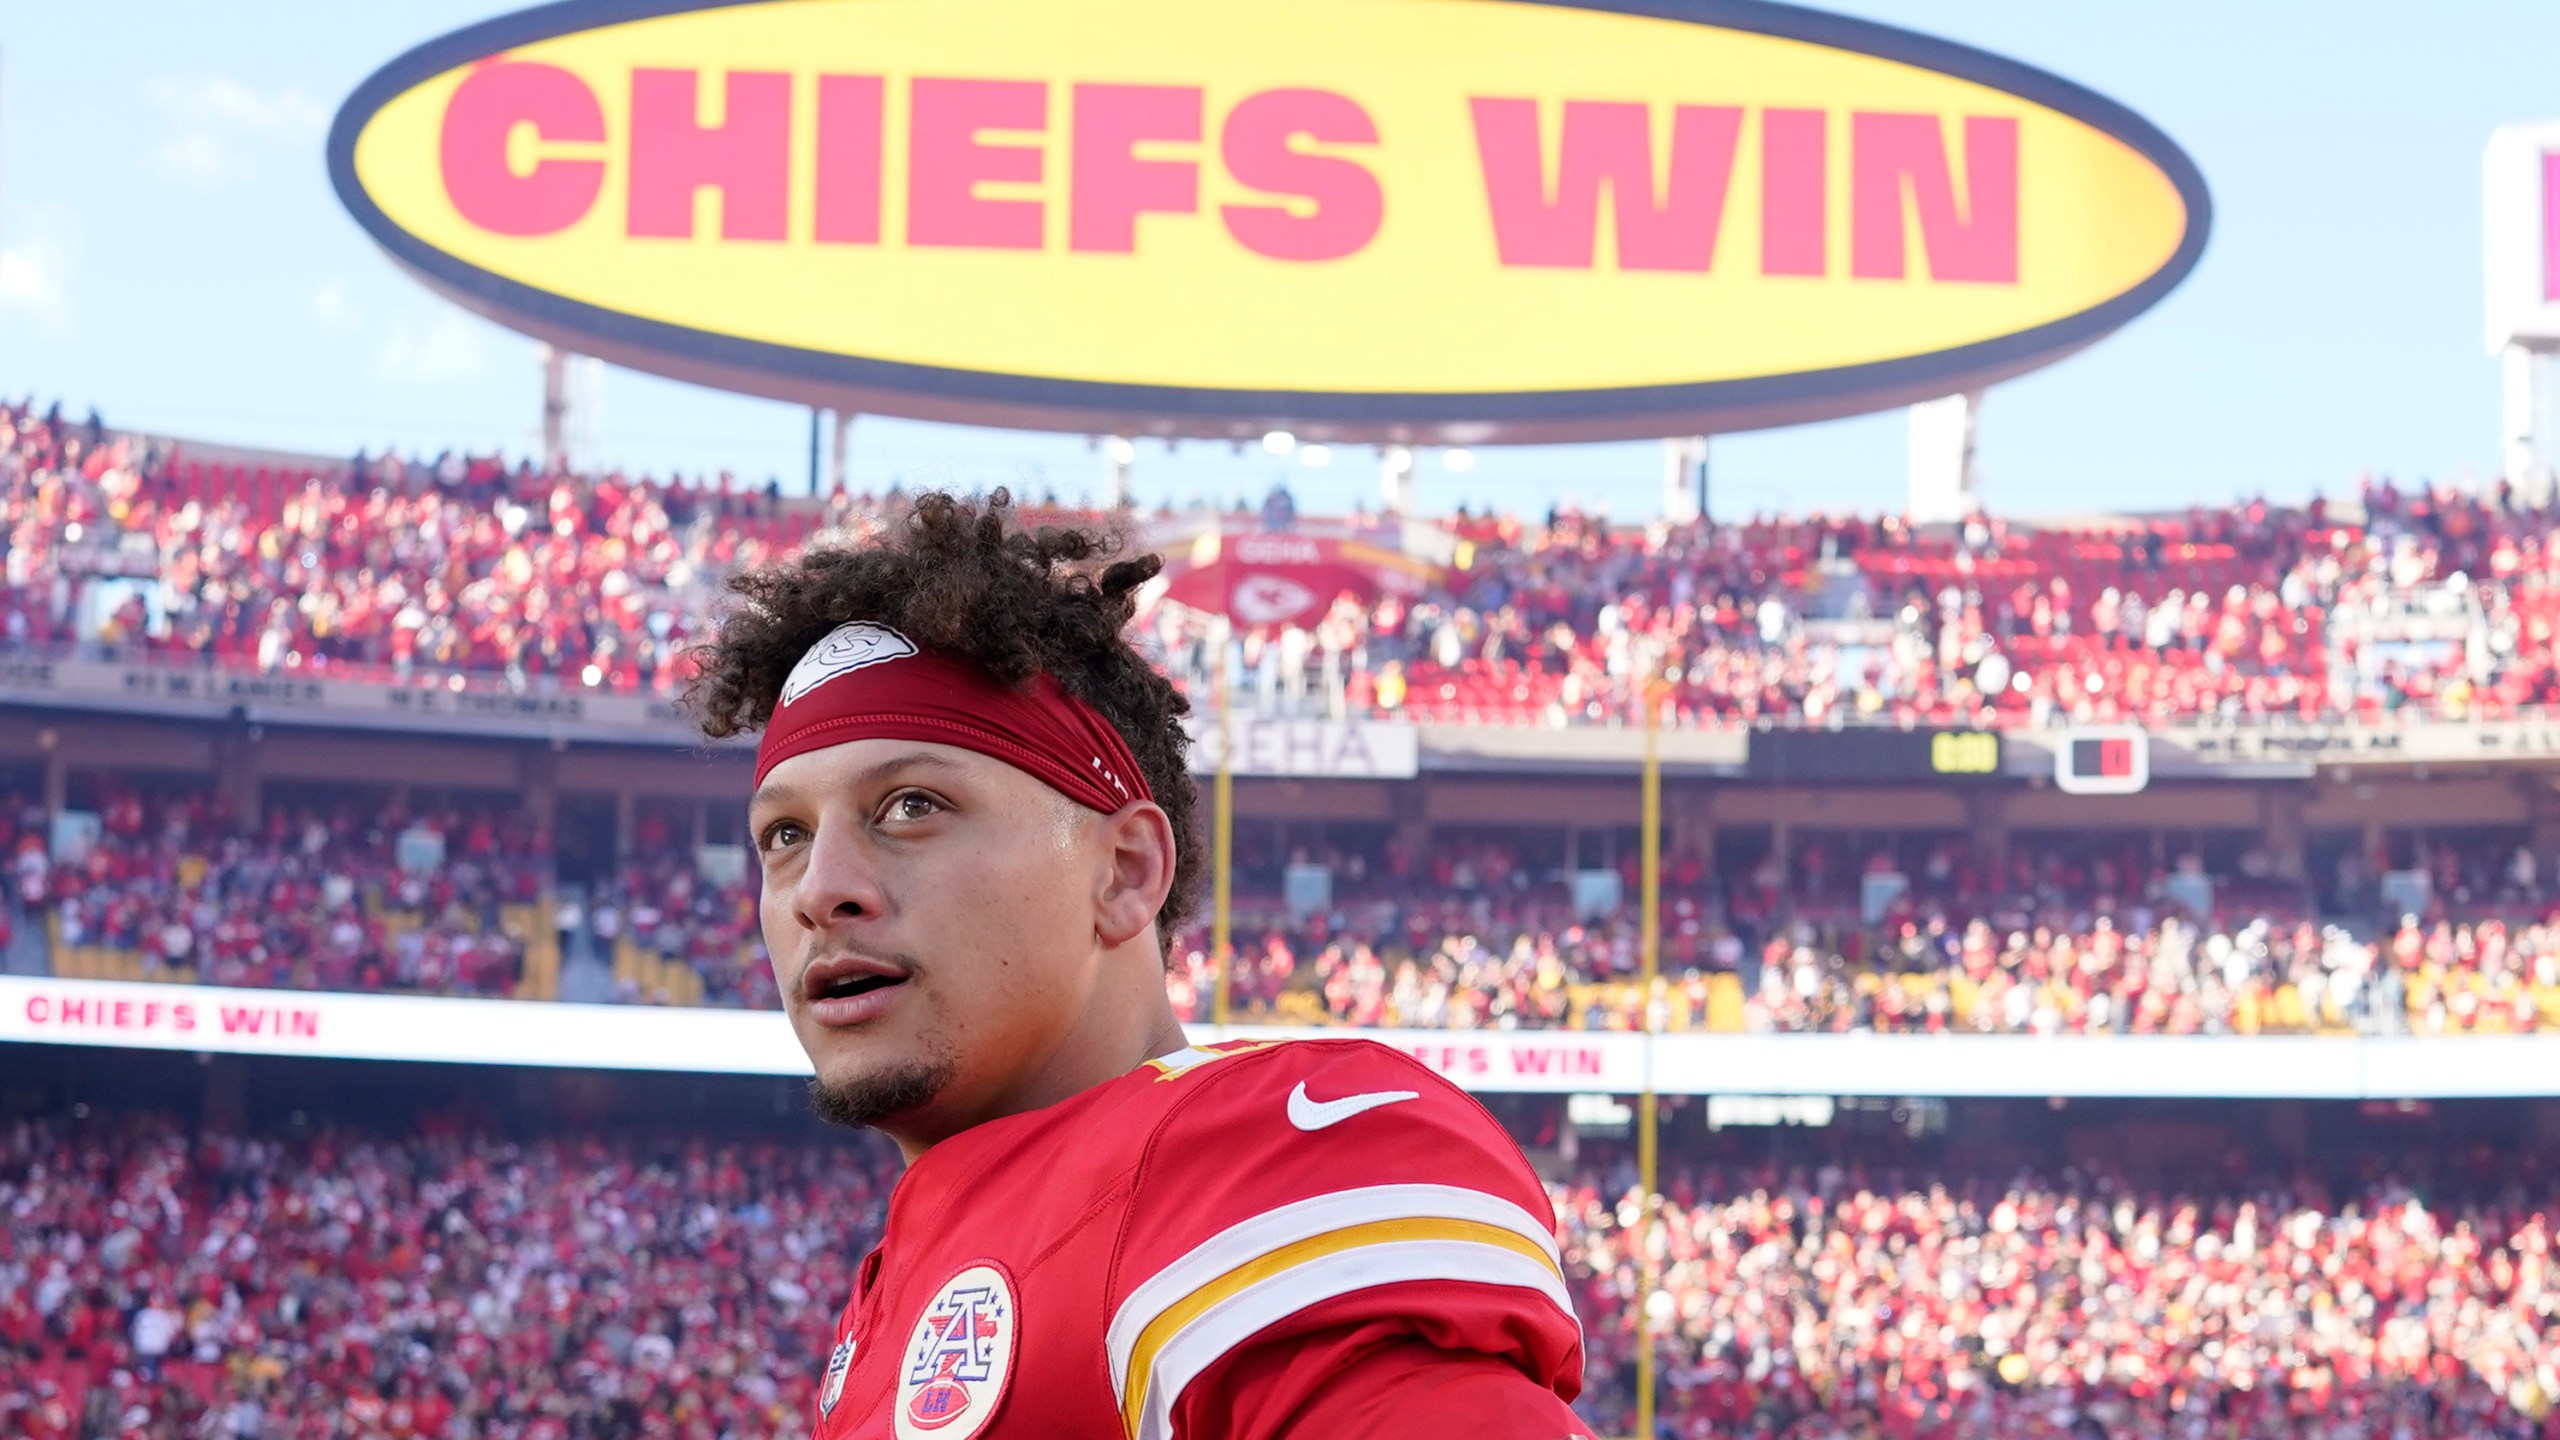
point(833, 1389)
point(952, 1377)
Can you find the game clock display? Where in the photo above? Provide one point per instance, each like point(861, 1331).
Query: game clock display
point(1875, 755)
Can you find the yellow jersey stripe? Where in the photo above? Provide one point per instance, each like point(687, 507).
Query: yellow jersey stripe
point(1304, 1219)
point(1175, 1318)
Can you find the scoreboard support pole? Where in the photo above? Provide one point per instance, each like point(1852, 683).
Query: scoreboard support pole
point(1222, 851)
point(1648, 1115)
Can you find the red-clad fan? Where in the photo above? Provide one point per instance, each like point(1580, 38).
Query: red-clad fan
point(973, 812)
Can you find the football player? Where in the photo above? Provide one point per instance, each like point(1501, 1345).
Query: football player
point(974, 820)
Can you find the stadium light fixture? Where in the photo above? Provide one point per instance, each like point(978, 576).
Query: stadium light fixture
point(1279, 442)
point(1122, 450)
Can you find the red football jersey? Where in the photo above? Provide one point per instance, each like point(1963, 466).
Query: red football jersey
point(1252, 1241)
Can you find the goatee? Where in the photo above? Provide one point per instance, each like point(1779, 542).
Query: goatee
point(880, 1095)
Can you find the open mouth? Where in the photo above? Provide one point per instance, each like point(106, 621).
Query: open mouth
point(845, 987)
point(850, 990)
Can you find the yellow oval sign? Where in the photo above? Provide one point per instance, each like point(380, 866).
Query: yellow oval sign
point(1452, 220)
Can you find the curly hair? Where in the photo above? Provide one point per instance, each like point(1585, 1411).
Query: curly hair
point(968, 581)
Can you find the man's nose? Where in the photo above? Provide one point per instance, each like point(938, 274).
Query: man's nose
point(840, 880)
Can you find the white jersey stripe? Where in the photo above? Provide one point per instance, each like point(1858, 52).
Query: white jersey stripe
point(1232, 1321)
point(1249, 1240)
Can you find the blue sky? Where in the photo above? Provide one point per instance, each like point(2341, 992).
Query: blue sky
point(171, 252)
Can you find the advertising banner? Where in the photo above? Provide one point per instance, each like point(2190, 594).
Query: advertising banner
point(1288, 579)
point(1454, 221)
point(397, 1027)
point(642, 1037)
point(1513, 1061)
point(432, 703)
point(1306, 749)
point(2520, 187)
point(42, 1010)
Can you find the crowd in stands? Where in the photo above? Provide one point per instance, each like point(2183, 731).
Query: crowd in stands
point(2095, 938)
point(2435, 602)
point(1836, 1302)
point(2174, 977)
point(342, 896)
point(314, 897)
point(2423, 600)
point(665, 905)
point(2171, 980)
point(454, 1285)
point(382, 569)
point(2428, 601)
point(158, 1281)
point(2074, 939)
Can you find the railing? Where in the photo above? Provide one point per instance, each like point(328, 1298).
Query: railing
point(149, 672)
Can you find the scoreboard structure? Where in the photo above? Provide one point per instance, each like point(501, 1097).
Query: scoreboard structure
point(1875, 756)
point(2102, 760)
point(2087, 759)
point(1360, 221)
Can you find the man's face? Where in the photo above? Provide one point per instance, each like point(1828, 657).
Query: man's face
point(930, 914)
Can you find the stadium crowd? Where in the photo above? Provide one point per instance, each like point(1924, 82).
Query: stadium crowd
point(1465, 933)
point(2078, 936)
point(1823, 1304)
point(157, 1281)
point(2173, 978)
point(383, 570)
point(316, 897)
point(662, 902)
point(455, 1285)
point(369, 897)
point(395, 569)
point(2426, 602)
point(2433, 603)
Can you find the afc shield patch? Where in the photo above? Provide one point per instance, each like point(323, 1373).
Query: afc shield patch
point(832, 1388)
point(960, 1356)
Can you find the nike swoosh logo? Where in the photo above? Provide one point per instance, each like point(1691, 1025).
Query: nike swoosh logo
point(1314, 1115)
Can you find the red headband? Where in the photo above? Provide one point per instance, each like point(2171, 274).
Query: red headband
point(907, 694)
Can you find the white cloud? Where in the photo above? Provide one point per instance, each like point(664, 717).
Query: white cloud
point(448, 346)
point(219, 127)
point(332, 306)
point(35, 271)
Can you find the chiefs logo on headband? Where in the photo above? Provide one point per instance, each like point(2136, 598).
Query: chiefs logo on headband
point(846, 649)
point(1036, 726)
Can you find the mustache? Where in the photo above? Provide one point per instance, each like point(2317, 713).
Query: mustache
point(901, 961)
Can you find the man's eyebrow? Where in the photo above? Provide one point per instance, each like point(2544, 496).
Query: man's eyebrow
point(774, 794)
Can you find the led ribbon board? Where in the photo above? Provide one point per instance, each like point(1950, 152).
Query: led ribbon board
point(1458, 221)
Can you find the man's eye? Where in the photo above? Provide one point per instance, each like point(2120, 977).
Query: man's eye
point(910, 805)
point(780, 833)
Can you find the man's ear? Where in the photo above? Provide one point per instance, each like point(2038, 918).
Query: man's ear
point(1139, 873)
